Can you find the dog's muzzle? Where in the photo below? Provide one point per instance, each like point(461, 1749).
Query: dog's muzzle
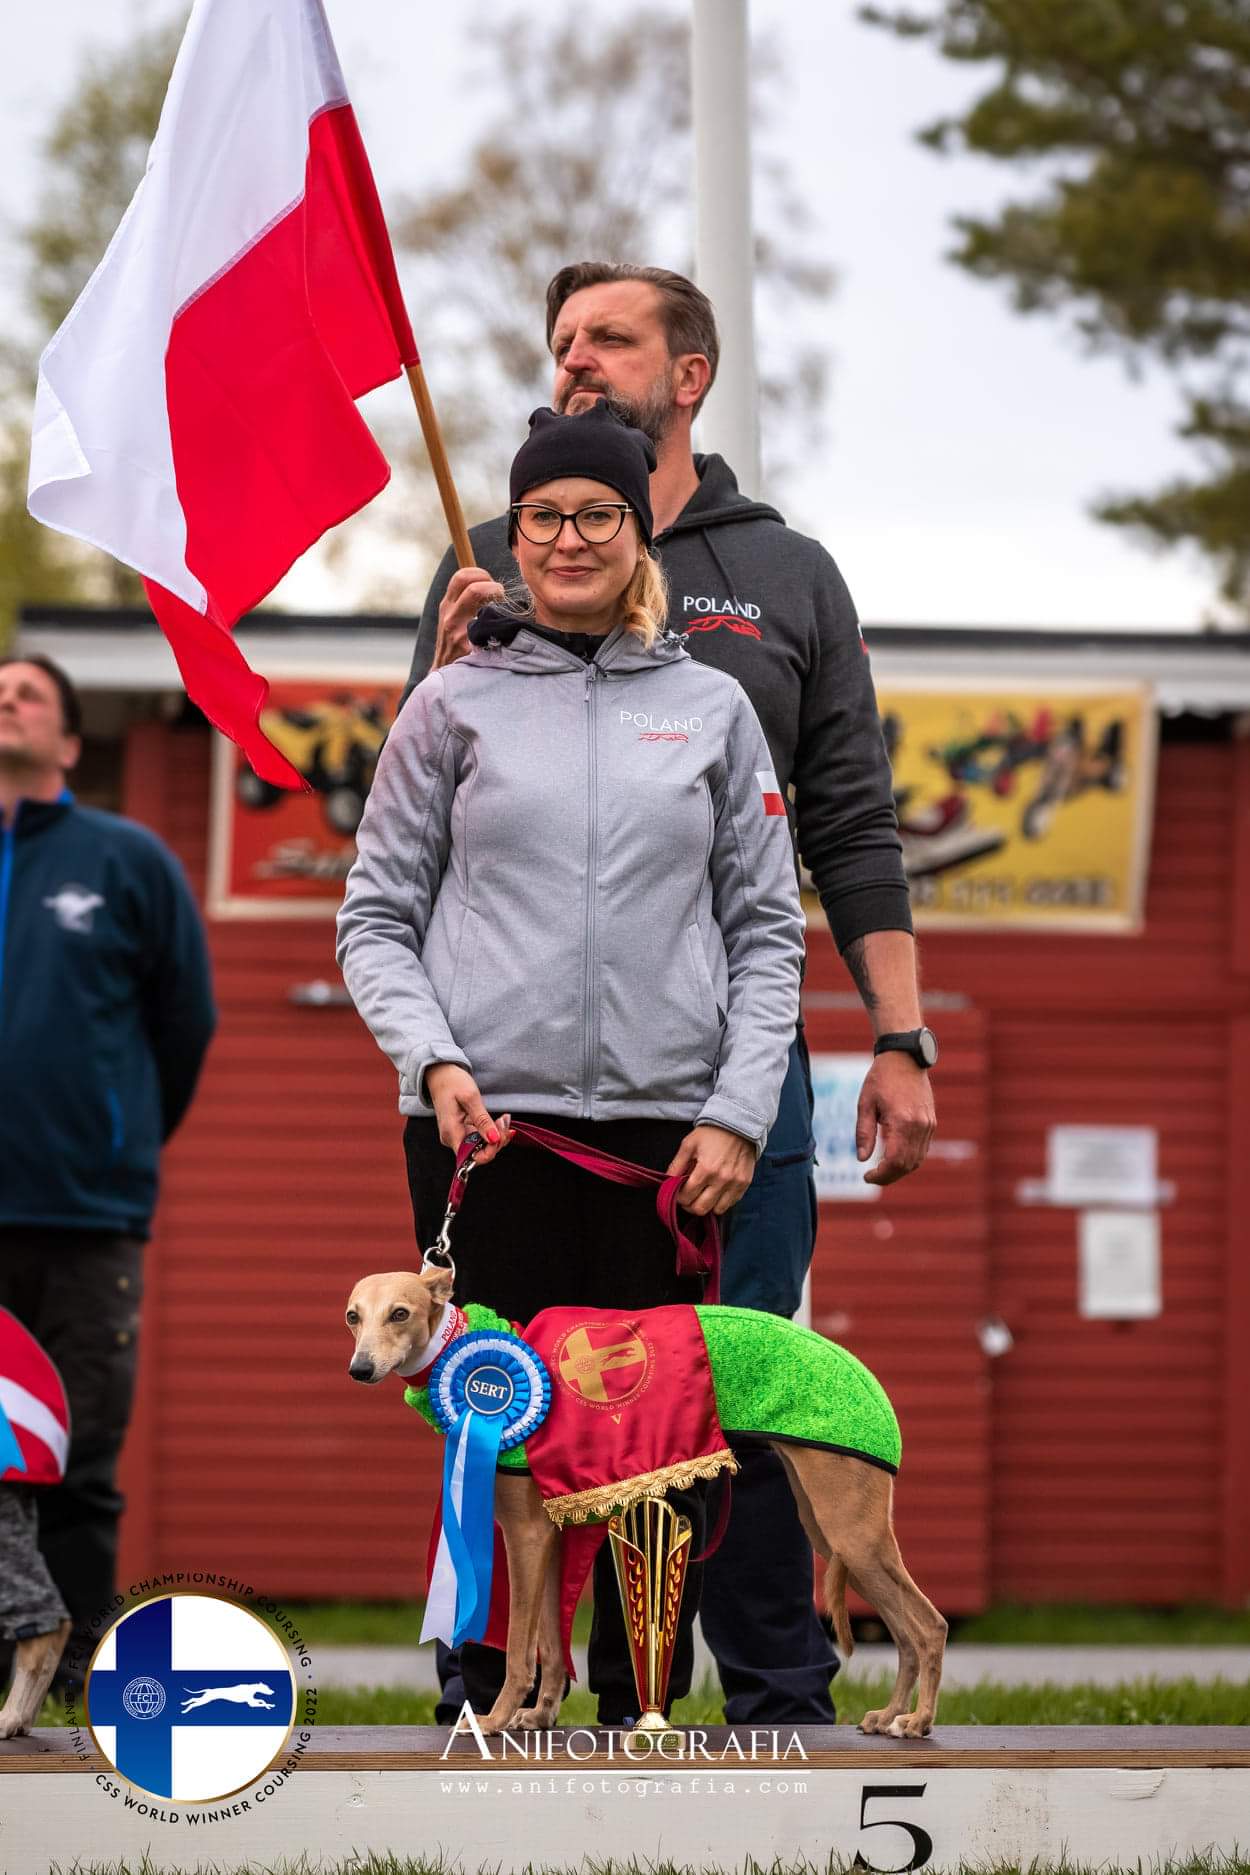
point(361, 1368)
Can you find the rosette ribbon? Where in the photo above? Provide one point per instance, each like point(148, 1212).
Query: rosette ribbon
point(488, 1391)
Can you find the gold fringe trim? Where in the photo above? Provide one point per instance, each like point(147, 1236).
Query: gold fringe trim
point(577, 1506)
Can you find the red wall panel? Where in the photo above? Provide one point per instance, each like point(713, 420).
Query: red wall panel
point(1093, 1461)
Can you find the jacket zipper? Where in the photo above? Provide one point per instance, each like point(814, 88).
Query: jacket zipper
point(588, 1000)
point(7, 842)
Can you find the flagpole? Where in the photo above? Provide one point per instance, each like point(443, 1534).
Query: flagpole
point(438, 462)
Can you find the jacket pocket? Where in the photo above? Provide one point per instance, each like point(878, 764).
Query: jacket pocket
point(711, 1016)
point(461, 997)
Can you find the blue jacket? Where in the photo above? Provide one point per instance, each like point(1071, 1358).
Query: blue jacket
point(106, 1011)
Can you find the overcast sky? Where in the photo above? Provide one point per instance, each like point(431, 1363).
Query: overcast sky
point(965, 441)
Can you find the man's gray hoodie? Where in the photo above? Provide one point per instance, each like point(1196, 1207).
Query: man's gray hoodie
point(576, 880)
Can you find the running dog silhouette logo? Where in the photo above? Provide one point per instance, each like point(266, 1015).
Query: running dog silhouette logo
point(190, 1697)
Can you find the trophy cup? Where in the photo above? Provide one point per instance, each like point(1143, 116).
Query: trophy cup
point(651, 1548)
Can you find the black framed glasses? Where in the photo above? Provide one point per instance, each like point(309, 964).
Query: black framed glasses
point(597, 523)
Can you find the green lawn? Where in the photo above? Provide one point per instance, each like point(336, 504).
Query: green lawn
point(393, 1865)
point(397, 1624)
point(1134, 1702)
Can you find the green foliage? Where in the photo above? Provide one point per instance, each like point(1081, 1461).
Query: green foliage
point(584, 151)
point(93, 158)
point(94, 155)
point(1135, 116)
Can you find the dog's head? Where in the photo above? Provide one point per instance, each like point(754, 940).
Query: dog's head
point(392, 1317)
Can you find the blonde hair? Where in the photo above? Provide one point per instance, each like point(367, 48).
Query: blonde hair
point(644, 602)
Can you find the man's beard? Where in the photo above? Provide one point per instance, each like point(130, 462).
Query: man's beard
point(652, 412)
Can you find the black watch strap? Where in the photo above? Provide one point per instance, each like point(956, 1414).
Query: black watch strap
point(921, 1044)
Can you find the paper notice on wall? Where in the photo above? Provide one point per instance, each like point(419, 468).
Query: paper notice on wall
point(1120, 1265)
point(836, 1081)
point(1102, 1165)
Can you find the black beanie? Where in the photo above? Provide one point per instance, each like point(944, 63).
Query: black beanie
point(597, 444)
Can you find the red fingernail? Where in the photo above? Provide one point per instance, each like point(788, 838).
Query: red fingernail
point(493, 1137)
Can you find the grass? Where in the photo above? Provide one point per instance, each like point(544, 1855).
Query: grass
point(397, 1624)
point(397, 1865)
point(1080, 1624)
point(1133, 1702)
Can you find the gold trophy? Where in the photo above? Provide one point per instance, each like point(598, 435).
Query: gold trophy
point(651, 1549)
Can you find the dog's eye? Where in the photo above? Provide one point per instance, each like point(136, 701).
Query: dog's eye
point(399, 1315)
point(352, 1318)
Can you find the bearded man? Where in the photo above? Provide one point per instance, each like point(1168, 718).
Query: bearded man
point(769, 606)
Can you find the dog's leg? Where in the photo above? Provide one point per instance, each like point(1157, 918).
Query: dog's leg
point(546, 1708)
point(851, 1501)
point(35, 1665)
point(529, 1536)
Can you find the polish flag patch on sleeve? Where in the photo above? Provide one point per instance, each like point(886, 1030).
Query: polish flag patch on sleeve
point(774, 803)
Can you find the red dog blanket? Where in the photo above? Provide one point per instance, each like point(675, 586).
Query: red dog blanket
point(633, 1409)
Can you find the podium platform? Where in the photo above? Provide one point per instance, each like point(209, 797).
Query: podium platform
point(1095, 1795)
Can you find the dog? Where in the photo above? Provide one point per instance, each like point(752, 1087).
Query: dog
point(35, 1662)
point(845, 1504)
point(249, 1695)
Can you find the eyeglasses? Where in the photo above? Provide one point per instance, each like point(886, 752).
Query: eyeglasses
point(597, 524)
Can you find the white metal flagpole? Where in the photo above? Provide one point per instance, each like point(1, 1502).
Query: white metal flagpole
point(724, 249)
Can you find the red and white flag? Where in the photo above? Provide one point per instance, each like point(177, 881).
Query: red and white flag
point(34, 1413)
point(195, 414)
point(774, 802)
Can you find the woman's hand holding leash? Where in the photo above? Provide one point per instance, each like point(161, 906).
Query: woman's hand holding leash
point(718, 1164)
point(459, 1109)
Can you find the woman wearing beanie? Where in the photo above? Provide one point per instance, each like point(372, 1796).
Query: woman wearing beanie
point(575, 903)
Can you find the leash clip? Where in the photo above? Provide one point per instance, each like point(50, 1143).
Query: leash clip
point(439, 1251)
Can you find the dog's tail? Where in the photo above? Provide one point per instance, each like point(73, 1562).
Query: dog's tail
point(835, 1605)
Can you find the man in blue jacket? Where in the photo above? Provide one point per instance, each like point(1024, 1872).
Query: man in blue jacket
point(106, 1011)
point(769, 606)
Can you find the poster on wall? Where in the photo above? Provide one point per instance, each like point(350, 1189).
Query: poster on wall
point(1024, 809)
point(276, 854)
point(836, 1081)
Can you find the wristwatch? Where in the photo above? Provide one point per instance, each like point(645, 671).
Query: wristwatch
point(920, 1044)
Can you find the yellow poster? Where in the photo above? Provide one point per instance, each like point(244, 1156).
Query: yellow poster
point(1024, 808)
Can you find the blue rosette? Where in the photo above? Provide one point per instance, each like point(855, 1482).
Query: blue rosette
point(488, 1391)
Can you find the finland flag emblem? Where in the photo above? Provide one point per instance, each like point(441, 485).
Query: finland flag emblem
point(190, 1697)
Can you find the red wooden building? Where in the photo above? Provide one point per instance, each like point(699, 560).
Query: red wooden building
point(1093, 1460)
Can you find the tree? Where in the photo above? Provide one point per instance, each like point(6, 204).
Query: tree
point(93, 154)
point(585, 151)
point(1137, 114)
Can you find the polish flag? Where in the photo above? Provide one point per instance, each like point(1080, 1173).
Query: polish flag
point(772, 796)
point(34, 1413)
point(195, 415)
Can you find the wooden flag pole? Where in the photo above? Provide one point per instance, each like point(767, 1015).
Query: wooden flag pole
point(439, 463)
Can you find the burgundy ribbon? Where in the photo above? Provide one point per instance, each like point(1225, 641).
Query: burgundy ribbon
point(696, 1256)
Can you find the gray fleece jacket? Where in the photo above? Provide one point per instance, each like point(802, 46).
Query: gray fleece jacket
point(577, 881)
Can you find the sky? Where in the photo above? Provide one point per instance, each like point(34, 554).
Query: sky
point(964, 441)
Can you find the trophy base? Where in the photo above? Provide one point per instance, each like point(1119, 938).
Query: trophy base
point(658, 1731)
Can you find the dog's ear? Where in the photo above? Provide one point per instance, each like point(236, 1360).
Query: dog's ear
point(439, 1282)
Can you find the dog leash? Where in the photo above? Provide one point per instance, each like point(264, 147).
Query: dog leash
point(696, 1256)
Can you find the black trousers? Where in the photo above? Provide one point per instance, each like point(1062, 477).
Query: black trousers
point(535, 1232)
point(79, 1293)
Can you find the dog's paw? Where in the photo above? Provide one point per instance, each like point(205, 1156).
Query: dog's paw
point(909, 1725)
point(874, 1721)
point(538, 1718)
point(11, 1725)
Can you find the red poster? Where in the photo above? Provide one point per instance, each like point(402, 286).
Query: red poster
point(276, 854)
